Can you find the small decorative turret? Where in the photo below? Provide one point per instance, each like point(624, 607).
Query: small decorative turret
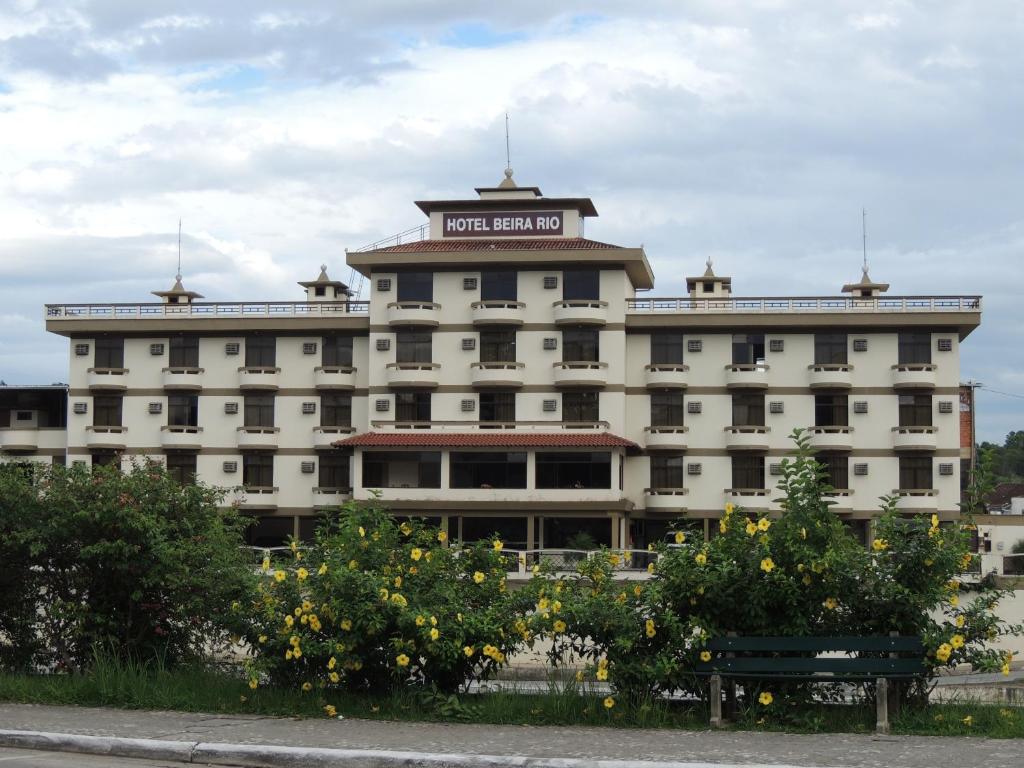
point(325, 289)
point(709, 285)
point(865, 288)
point(507, 189)
point(177, 294)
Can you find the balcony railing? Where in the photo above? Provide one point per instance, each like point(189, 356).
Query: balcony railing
point(506, 426)
point(809, 304)
point(205, 310)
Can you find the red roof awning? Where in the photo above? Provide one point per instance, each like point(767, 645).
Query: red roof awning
point(486, 440)
point(506, 244)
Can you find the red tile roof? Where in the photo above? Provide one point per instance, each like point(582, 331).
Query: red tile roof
point(487, 440)
point(507, 244)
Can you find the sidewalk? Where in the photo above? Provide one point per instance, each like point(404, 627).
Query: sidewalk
point(466, 745)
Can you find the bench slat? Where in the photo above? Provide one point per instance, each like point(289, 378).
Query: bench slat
point(790, 664)
point(817, 644)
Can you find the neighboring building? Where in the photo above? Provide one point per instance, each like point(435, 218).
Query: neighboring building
point(1006, 499)
point(509, 374)
point(33, 423)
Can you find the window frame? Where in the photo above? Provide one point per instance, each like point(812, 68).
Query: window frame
point(257, 466)
point(667, 348)
point(108, 352)
point(914, 348)
point(499, 285)
point(335, 409)
point(752, 403)
point(414, 345)
point(487, 469)
point(336, 350)
point(261, 351)
point(831, 349)
point(415, 285)
point(581, 345)
point(581, 285)
point(182, 410)
point(183, 351)
point(668, 409)
point(498, 345)
point(581, 405)
point(748, 472)
point(257, 410)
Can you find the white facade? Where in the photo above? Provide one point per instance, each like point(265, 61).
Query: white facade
point(610, 472)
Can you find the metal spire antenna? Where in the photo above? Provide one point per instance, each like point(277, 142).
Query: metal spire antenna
point(864, 236)
point(179, 250)
point(508, 152)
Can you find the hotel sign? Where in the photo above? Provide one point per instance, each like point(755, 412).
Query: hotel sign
point(502, 224)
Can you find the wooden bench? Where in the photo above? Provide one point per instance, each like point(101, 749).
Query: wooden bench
point(880, 659)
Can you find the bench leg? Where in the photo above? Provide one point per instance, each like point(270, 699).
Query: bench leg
point(882, 706)
point(716, 701)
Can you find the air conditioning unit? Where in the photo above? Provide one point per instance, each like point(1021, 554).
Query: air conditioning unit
point(550, 406)
point(860, 469)
point(383, 345)
point(384, 285)
point(382, 405)
point(776, 345)
point(776, 406)
point(945, 406)
point(230, 467)
point(775, 469)
point(945, 469)
point(693, 406)
point(860, 345)
point(308, 408)
point(232, 348)
point(550, 282)
point(694, 345)
point(468, 344)
point(156, 349)
point(308, 467)
point(80, 408)
point(309, 347)
point(550, 342)
point(860, 406)
point(230, 408)
point(468, 405)
point(694, 469)
point(469, 283)
point(81, 350)
point(945, 345)
point(156, 407)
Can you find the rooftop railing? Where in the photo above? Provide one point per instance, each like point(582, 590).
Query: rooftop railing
point(808, 304)
point(206, 310)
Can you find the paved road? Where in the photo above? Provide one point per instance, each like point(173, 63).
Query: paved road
point(32, 758)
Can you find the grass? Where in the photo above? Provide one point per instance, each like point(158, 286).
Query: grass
point(134, 686)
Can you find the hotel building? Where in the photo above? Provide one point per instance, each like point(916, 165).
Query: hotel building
point(509, 374)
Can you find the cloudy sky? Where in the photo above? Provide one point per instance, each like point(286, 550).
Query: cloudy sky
point(282, 133)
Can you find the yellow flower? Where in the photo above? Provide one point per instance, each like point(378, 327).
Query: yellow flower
point(579, 675)
point(831, 603)
point(307, 687)
point(765, 698)
point(543, 604)
point(398, 582)
point(602, 674)
point(968, 721)
point(751, 528)
point(383, 593)
point(416, 553)
point(943, 652)
point(935, 521)
point(680, 537)
point(297, 652)
point(957, 641)
point(413, 570)
point(960, 621)
point(332, 663)
point(301, 574)
point(298, 611)
point(498, 545)
point(330, 711)
point(405, 529)
point(723, 526)
point(280, 576)
point(556, 606)
point(468, 650)
point(649, 628)
point(265, 566)
point(764, 524)
point(294, 640)
point(650, 567)
point(307, 606)
point(701, 558)
point(352, 565)
point(262, 639)
point(346, 624)
point(420, 621)
point(954, 601)
point(730, 508)
point(638, 590)
point(288, 655)
point(322, 569)
point(435, 633)
point(362, 532)
point(803, 533)
point(705, 656)
point(334, 677)
point(433, 621)
point(879, 544)
point(402, 660)
point(767, 565)
point(399, 600)
point(442, 536)
point(288, 620)
point(1005, 669)
point(478, 577)
point(559, 626)
point(609, 702)
point(253, 683)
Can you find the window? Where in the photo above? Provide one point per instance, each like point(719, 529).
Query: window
point(497, 346)
point(182, 410)
point(915, 348)
point(748, 410)
point(830, 349)
point(106, 459)
point(747, 348)
point(488, 470)
point(915, 473)
point(574, 470)
point(184, 352)
point(401, 469)
point(109, 352)
point(182, 467)
point(106, 411)
point(837, 465)
point(498, 285)
point(667, 470)
point(413, 347)
point(498, 406)
point(337, 351)
point(915, 410)
point(748, 472)
point(259, 410)
point(581, 284)
point(334, 471)
point(831, 411)
point(412, 406)
point(415, 286)
point(260, 352)
point(666, 348)
point(580, 345)
point(258, 470)
point(580, 406)
point(335, 410)
point(667, 409)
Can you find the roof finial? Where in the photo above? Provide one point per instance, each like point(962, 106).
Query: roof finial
point(864, 237)
point(709, 272)
point(178, 276)
point(508, 152)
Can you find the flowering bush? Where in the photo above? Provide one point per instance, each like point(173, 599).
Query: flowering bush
point(375, 603)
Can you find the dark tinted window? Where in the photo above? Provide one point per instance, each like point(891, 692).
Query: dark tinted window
point(830, 348)
point(182, 467)
point(498, 285)
point(915, 348)
point(837, 466)
point(831, 411)
point(667, 470)
point(415, 286)
point(915, 410)
point(183, 352)
point(748, 471)
point(337, 351)
point(259, 411)
point(334, 471)
point(335, 410)
point(581, 284)
point(915, 472)
point(581, 345)
point(258, 470)
point(666, 409)
point(497, 346)
point(260, 352)
point(488, 470)
point(580, 406)
point(401, 469)
point(666, 348)
point(109, 352)
point(183, 410)
point(574, 470)
point(748, 410)
point(412, 406)
point(497, 406)
point(106, 411)
point(747, 348)
point(413, 347)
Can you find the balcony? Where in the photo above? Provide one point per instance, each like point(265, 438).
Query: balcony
point(913, 438)
point(839, 501)
point(497, 374)
point(334, 377)
point(746, 375)
point(181, 438)
point(19, 439)
point(913, 376)
point(107, 378)
point(258, 377)
point(109, 438)
point(831, 438)
point(581, 312)
point(831, 376)
point(258, 497)
point(412, 374)
point(330, 497)
point(667, 376)
point(665, 438)
point(414, 313)
point(747, 498)
point(257, 438)
point(740, 438)
point(498, 312)
point(183, 378)
point(580, 374)
point(916, 499)
point(665, 499)
point(325, 437)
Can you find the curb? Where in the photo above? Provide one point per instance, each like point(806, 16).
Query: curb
point(265, 756)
